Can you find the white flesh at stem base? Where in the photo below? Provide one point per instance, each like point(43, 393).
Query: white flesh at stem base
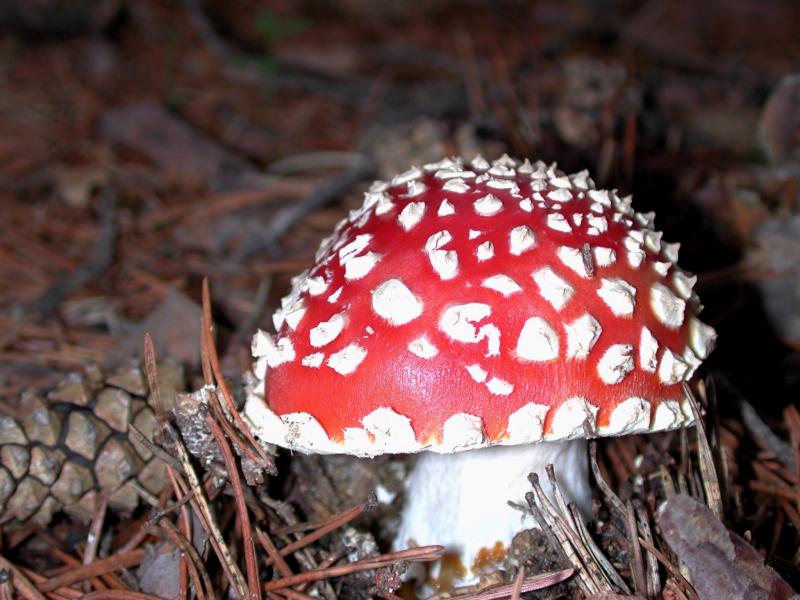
point(461, 500)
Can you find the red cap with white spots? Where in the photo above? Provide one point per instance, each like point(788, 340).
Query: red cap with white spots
point(468, 305)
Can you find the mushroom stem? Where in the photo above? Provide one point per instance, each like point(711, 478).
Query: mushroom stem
point(461, 500)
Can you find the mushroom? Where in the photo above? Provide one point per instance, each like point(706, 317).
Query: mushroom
point(491, 315)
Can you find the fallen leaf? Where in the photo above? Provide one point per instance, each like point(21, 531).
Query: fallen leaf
point(722, 565)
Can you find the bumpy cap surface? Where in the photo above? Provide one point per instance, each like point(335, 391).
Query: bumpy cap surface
point(467, 305)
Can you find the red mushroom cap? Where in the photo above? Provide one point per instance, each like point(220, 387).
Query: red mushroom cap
point(471, 305)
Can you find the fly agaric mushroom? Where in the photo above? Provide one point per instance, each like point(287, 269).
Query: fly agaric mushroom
point(491, 314)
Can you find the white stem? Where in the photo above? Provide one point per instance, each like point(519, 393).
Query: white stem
point(461, 500)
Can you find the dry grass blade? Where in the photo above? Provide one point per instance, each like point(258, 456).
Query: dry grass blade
point(708, 471)
point(195, 565)
point(98, 567)
point(608, 493)
point(207, 515)
point(242, 513)
point(653, 580)
point(569, 522)
point(22, 584)
point(274, 556)
point(119, 595)
point(674, 571)
point(211, 352)
point(607, 568)
point(67, 558)
point(635, 551)
point(516, 591)
point(556, 538)
point(421, 554)
point(568, 539)
point(151, 372)
point(328, 525)
point(520, 586)
point(95, 530)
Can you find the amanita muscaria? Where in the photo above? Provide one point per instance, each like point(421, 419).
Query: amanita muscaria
point(469, 306)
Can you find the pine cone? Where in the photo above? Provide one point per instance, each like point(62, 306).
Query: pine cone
point(58, 452)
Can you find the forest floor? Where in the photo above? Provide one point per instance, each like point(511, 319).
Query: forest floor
point(148, 147)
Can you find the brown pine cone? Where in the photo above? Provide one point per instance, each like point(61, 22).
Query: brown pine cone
point(57, 452)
